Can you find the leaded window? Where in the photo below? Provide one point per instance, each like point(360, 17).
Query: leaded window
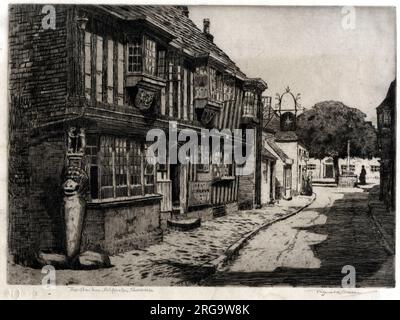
point(123, 168)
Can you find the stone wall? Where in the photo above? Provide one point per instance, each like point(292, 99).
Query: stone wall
point(117, 227)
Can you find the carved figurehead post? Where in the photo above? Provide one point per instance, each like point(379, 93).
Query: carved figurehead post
point(75, 184)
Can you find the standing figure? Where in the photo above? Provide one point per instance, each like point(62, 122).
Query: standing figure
point(363, 175)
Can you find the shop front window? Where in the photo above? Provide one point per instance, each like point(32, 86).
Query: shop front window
point(122, 167)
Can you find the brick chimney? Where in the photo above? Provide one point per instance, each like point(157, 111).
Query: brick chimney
point(206, 29)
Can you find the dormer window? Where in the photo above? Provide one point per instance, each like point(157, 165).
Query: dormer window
point(145, 72)
point(147, 57)
point(253, 89)
point(208, 91)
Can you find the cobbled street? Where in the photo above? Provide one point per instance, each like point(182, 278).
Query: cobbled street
point(179, 260)
point(312, 247)
point(309, 248)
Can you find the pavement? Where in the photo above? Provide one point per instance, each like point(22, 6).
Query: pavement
point(182, 258)
point(384, 219)
point(312, 247)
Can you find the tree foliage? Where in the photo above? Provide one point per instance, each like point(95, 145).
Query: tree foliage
point(326, 128)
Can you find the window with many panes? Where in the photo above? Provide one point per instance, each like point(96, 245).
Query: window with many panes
point(107, 163)
point(135, 167)
point(249, 104)
point(150, 56)
point(161, 64)
point(143, 55)
point(135, 56)
point(123, 168)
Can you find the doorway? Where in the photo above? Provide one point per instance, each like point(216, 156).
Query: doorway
point(329, 171)
point(287, 182)
point(271, 181)
point(175, 183)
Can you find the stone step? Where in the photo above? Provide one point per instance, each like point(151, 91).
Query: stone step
point(184, 224)
point(219, 211)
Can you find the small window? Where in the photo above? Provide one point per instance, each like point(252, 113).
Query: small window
point(311, 166)
point(375, 168)
point(161, 65)
point(249, 104)
point(135, 56)
point(386, 118)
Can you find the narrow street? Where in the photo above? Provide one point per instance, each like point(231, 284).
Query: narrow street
point(311, 248)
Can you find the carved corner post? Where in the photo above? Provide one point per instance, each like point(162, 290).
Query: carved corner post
point(75, 183)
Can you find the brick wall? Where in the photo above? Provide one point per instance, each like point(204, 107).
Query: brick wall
point(37, 94)
point(47, 159)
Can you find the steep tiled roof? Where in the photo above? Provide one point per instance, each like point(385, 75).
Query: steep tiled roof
point(272, 124)
point(277, 150)
point(286, 136)
point(188, 35)
point(390, 99)
point(266, 154)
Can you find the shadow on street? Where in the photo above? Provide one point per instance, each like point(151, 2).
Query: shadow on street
point(351, 239)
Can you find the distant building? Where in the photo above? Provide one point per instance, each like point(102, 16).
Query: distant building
point(287, 140)
point(386, 114)
point(276, 165)
point(324, 168)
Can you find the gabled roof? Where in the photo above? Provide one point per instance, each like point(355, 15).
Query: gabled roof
point(390, 99)
point(278, 150)
point(187, 35)
point(266, 154)
point(273, 123)
point(286, 136)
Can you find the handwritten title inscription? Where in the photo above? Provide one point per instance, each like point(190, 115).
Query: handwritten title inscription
point(199, 193)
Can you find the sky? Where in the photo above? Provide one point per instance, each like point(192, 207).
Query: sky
point(323, 53)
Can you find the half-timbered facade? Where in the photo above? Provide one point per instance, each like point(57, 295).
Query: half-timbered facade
point(106, 76)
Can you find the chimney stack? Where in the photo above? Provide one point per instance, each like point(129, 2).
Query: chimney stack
point(206, 29)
